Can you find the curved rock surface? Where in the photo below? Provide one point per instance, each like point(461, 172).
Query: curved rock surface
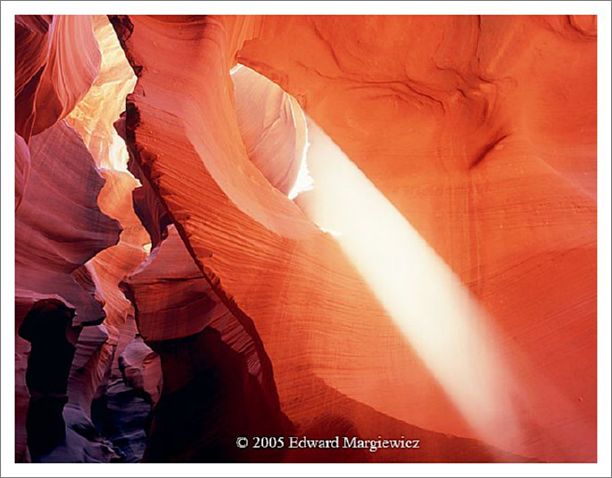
point(460, 140)
point(52, 76)
point(250, 253)
point(58, 226)
point(436, 132)
point(203, 347)
point(141, 369)
point(94, 115)
point(93, 119)
point(435, 277)
point(272, 126)
point(22, 168)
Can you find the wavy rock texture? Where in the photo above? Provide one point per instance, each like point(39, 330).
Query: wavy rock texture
point(22, 168)
point(146, 205)
point(253, 315)
point(461, 140)
point(31, 41)
point(94, 348)
point(141, 369)
point(109, 266)
point(174, 301)
point(261, 259)
point(59, 226)
point(93, 119)
point(31, 47)
point(94, 115)
point(52, 76)
point(272, 126)
point(454, 139)
point(206, 352)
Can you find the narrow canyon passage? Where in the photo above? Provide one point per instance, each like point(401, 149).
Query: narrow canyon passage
point(301, 226)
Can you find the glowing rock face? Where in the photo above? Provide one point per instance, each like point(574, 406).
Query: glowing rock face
point(272, 127)
point(460, 140)
point(52, 75)
point(59, 226)
point(58, 229)
point(438, 278)
point(60, 216)
point(94, 115)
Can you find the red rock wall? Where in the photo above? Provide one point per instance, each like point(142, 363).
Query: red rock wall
point(479, 135)
point(459, 122)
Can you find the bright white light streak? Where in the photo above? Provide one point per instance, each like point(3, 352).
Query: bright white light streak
point(431, 307)
point(303, 181)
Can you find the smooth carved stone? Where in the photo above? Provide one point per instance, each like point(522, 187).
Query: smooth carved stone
point(175, 305)
point(22, 168)
point(58, 226)
point(272, 127)
point(52, 75)
point(461, 140)
point(453, 138)
point(141, 369)
point(147, 205)
point(173, 300)
point(170, 295)
point(64, 230)
point(257, 253)
point(112, 264)
point(480, 141)
point(91, 366)
point(31, 41)
point(31, 47)
point(93, 116)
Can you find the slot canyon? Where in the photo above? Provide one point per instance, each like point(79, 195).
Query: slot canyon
point(382, 227)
